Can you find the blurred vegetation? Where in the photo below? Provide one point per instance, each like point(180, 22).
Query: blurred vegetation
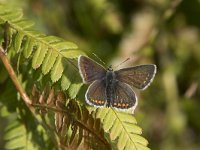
point(164, 32)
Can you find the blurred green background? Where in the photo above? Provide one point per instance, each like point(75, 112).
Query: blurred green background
point(162, 32)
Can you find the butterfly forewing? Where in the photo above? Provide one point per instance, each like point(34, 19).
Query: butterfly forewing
point(124, 97)
point(95, 94)
point(90, 70)
point(138, 76)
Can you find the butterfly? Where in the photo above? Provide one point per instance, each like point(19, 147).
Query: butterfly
point(114, 88)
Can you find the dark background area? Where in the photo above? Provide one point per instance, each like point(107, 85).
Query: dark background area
point(165, 33)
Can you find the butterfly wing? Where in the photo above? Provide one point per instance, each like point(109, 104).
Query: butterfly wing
point(124, 97)
point(138, 76)
point(90, 70)
point(95, 94)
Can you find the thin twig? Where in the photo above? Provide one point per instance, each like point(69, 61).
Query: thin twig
point(14, 78)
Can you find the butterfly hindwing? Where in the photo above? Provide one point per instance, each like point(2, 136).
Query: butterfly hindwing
point(138, 76)
point(95, 94)
point(90, 70)
point(124, 97)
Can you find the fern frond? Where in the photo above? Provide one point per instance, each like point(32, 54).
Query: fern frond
point(121, 128)
point(50, 53)
point(17, 137)
point(10, 13)
point(74, 125)
point(71, 76)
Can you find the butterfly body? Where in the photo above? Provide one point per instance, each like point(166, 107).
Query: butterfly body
point(110, 84)
point(114, 88)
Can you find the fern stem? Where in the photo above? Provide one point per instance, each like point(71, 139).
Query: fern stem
point(78, 121)
point(13, 76)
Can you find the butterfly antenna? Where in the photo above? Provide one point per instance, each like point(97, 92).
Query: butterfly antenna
point(122, 62)
point(98, 58)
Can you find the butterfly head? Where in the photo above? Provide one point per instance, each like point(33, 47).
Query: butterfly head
point(110, 68)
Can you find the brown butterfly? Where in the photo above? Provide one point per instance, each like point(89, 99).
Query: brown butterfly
point(114, 88)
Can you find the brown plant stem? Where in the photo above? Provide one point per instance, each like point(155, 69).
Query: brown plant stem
point(13, 77)
point(19, 88)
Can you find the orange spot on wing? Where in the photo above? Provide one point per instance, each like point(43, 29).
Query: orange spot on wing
point(95, 101)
